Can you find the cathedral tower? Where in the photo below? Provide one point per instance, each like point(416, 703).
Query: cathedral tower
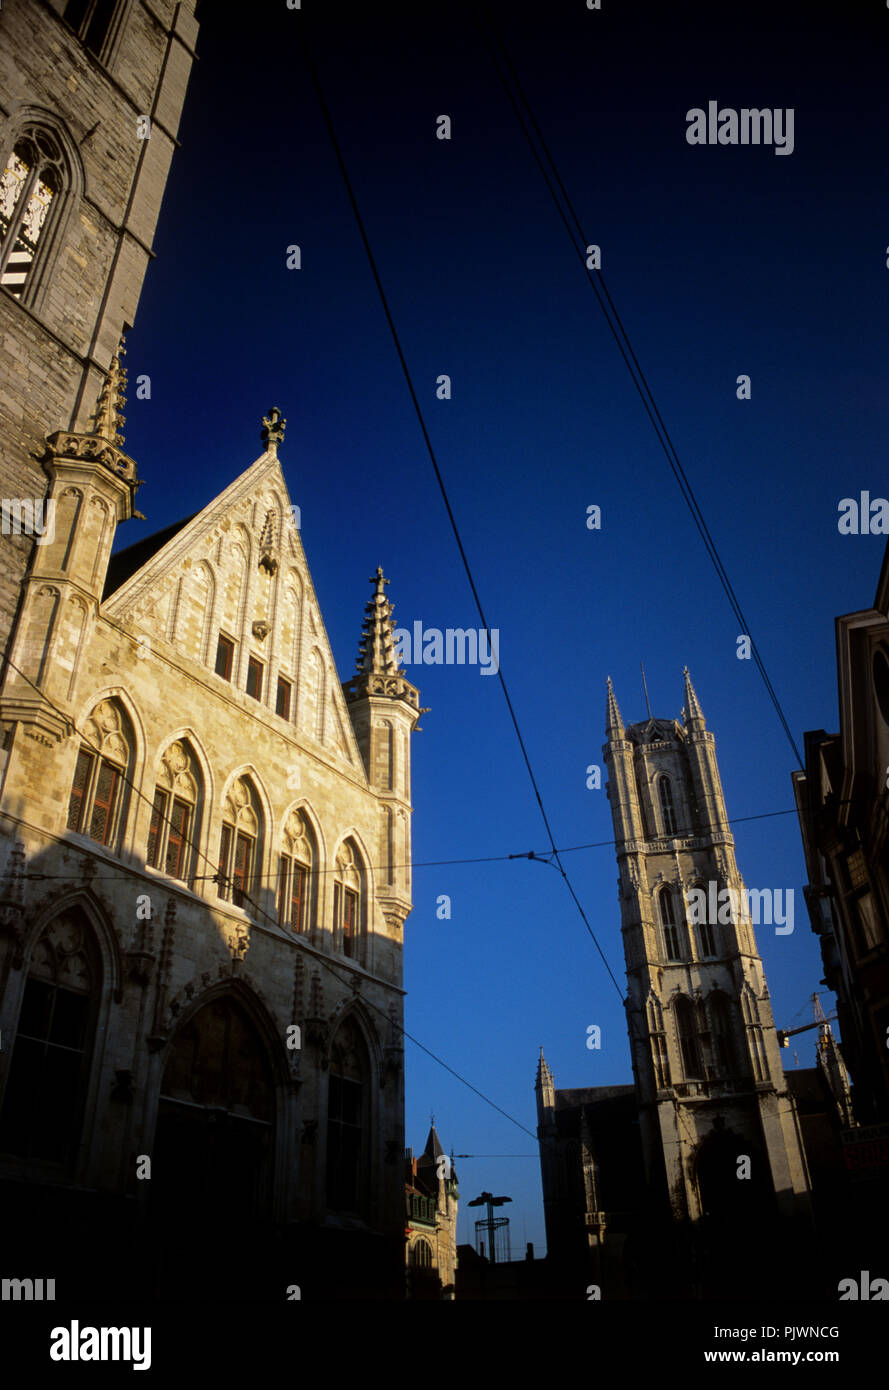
point(718, 1126)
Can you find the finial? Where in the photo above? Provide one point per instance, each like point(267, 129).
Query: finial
point(272, 433)
point(107, 417)
point(645, 688)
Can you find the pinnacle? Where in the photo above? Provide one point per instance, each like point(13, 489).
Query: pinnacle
point(107, 417)
point(614, 725)
point(376, 650)
point(692, 710)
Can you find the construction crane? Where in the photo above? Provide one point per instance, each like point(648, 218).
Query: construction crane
point(785, 1034)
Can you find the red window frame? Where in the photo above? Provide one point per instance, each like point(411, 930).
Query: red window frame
point(255, 671)
point(350, 920)
point(282, 698)
point(104, 802)
point(79, 788)
point(225, 657)
point(177, 838)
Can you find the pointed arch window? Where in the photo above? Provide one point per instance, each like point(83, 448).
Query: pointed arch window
point(687, 1033)
point(172, 832)
point(421, 1254)
point(91, 21)
point(31, 188)
point(347, 1137)
point(669, 926)
point(96, 804)
point(295, 882)
point(705, 928)
point(240, 844)
point(347, 901)
point(722, 1030)
point(42, 1110)
point(665, 796)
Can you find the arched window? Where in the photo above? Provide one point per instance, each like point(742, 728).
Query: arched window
point(687, 1032)
point(665, 795)
point(215, 1124)
point(240, 845)
point(32, 182)
point(705, 928)
point(295, 907)
point(91, 21)
point(51, 1050)
point(722, 1025)
point(421, 1254)
point(347, 901)
point(667, 910)
point(174, 815)
point(97, 804)
point(347, 1103)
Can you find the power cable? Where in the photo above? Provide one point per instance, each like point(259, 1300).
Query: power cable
point(638, 377)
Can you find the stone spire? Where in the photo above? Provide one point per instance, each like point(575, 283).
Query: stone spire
point(376, 650)
point(545, 1088)
point(614, 725)
point(108, 417)
point(692, 714)
point(545, 1077)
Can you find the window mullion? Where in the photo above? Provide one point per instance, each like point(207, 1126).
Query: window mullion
point(17, 217)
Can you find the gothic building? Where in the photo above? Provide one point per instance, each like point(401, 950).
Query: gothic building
point(641, 1180)
point(204, 837)
point(705, 1055)
point(431, 1200)
point(843, 806)
point(206, 845)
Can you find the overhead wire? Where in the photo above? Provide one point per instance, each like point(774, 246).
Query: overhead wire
point(621, 337)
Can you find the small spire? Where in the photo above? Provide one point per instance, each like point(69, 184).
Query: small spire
point(692, 711)
point(614, 725)
point(108, 418)
point(544, 1075)
point(376, 650)
point(272, 432)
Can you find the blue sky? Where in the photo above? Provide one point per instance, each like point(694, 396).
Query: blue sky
point(721, 260)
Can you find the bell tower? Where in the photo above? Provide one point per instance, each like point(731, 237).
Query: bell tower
point(719, 1129)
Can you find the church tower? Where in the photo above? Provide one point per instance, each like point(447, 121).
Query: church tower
point(719, 1129)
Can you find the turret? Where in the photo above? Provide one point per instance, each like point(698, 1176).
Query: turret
point(92, 487)
point(385, 708)
point(622, 792)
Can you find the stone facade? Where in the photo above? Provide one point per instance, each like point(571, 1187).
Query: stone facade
point(207, 850)
point(73, 101)
point(705, 1054)
point(693, 1179)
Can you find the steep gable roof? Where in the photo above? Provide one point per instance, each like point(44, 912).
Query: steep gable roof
point(126, 562)
point(238, 567)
